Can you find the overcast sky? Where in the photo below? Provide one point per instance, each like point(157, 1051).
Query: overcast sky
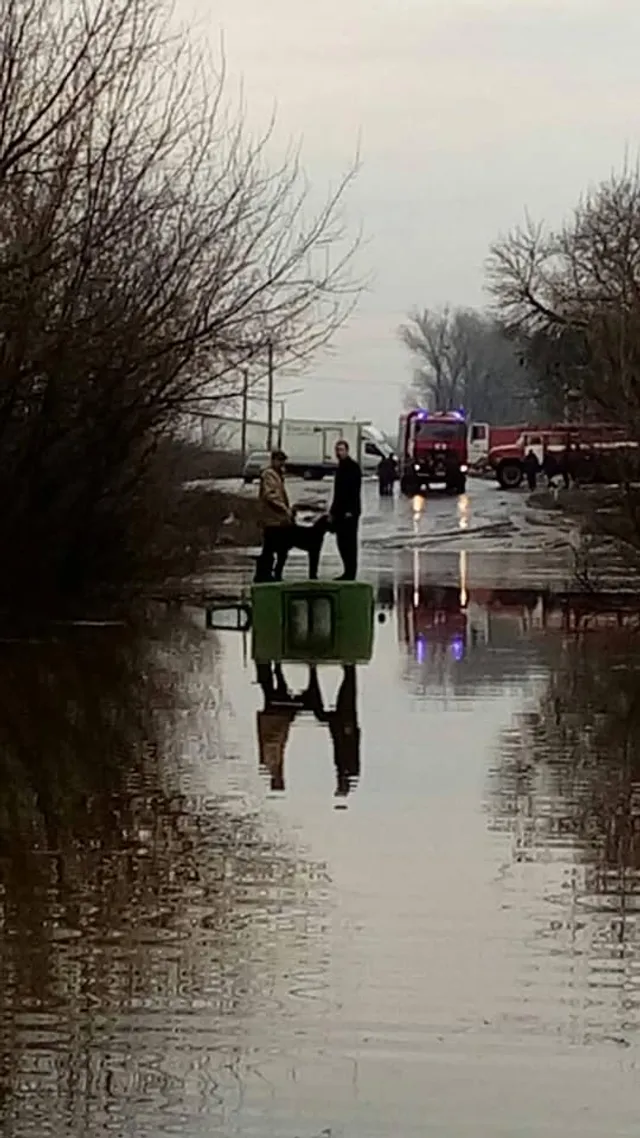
point(468, 111)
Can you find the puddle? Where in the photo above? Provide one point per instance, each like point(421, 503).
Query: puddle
point(372, 901)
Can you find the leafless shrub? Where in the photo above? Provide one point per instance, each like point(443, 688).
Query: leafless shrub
point(147, 250)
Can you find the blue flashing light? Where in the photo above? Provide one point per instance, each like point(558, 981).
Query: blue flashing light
point(421, 649)
point(457, 648)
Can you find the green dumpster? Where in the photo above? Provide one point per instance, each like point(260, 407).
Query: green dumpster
point(328, 621)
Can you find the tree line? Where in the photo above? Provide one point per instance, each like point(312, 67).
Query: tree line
point(462, 358)
point(560, 340)
point(561, 336)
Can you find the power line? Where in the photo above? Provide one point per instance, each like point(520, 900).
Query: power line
point(343, 382)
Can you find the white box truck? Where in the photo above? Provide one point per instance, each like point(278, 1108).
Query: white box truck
point(310, 445)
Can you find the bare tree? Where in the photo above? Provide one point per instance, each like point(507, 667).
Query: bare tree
point(147, 249)
point(463, 358)
point(574, 294)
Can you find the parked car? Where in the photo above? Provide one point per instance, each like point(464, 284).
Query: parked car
point(255, 464)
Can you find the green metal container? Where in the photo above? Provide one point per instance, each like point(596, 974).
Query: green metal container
point(328, 621)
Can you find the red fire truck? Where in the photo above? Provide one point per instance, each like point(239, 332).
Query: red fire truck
point(482, 439)
point(597, 452)
point(432, 448)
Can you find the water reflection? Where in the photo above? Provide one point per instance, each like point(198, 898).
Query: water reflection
point(184, 953)
point(567, 787)
point(281, 708)
point(460, 638)
point(131, 901)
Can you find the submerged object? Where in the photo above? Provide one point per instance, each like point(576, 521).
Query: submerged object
point(328, 621)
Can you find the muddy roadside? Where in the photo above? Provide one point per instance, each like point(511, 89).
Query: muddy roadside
point(602, 527)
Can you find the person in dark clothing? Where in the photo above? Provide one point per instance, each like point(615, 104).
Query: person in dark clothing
point(550, 467)
point(531, 468)
point(346, 507)
point(386, 476)
point(567, 464)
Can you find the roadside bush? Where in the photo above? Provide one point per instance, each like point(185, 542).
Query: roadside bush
point(147, 251)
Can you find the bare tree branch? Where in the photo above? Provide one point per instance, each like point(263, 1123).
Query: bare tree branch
point(147, 250)
point(463, 358)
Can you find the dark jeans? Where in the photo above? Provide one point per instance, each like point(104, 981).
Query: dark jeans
point(276, 544)
point(346, 531)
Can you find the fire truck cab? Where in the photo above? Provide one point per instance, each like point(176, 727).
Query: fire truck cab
point(432, 449)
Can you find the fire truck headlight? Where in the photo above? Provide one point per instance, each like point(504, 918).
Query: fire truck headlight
point(463, 469)
point(416, 466)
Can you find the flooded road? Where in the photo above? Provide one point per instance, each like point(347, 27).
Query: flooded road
point(388, 900)
point(502, 538)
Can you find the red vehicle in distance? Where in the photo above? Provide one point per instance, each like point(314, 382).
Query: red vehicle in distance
point(595, 452)
point(432, 449)
point(484, 437)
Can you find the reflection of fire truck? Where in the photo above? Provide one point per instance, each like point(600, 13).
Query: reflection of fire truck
point(432, 621)
point(532, 610)
point(594, 452)
point(432, 448)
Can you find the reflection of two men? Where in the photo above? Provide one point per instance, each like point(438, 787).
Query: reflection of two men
point(281, 706)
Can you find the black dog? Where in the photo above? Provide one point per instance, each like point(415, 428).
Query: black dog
point(310, 538)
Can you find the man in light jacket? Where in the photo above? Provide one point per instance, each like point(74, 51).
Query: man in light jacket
point(277, 520)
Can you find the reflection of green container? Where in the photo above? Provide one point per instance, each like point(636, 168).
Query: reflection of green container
point(312, 620)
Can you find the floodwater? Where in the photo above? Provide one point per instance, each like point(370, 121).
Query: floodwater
point(404, 900)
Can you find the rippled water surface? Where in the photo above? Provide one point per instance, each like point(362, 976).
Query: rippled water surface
point(401, 900)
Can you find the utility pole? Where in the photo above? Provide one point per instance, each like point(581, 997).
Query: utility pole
point(245, 403)
point(270, 394)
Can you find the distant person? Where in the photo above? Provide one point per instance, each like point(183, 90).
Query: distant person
point(277, 520)
point(567, 464)
point(386, 476)
point(346, 507)
point(531, 468)
point(550, 467)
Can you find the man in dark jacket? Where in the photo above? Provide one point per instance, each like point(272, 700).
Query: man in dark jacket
point(531, 467)
point(386, 476)
point(346, 507)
